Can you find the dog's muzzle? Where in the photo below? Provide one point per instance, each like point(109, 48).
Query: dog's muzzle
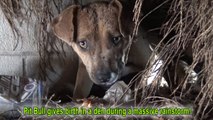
point(106, 78)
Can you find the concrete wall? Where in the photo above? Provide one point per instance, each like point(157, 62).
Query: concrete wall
point(16, 62)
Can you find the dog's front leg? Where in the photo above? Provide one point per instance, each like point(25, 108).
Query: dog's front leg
point(83, 83)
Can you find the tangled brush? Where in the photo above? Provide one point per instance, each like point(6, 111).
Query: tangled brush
point(192, 22)
point(187, 31)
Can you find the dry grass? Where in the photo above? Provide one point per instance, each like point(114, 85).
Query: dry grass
point(191, 25)
point(192, 22)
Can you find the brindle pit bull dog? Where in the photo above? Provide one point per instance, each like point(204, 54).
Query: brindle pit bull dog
point(99, 34)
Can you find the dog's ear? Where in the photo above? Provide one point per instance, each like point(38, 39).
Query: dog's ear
point(63, 25)
point(117, 4)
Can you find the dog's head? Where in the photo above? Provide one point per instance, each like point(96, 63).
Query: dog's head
point(96, 34)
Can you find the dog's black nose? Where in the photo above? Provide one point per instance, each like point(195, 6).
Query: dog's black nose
point(104, 76)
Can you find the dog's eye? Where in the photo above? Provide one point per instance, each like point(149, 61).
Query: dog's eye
point(83, 44)
point(116, 40)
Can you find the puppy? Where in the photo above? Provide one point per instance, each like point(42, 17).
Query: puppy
point(99, 34)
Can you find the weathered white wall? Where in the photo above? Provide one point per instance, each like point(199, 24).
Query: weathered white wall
point(17, 62)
